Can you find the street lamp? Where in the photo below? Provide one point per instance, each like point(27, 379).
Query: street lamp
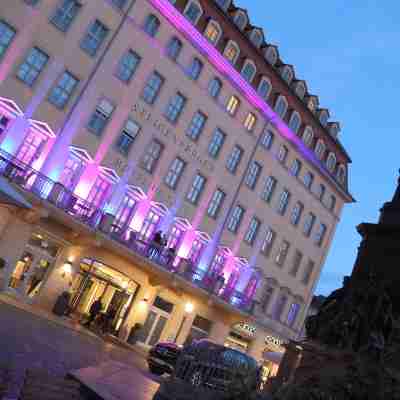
point(66, 269)
point(189, 308)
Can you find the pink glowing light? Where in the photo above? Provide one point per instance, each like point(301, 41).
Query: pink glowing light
point(42, 127)
point(10, 107)
point(109, 174)
point(82, 154)
point(224, 67)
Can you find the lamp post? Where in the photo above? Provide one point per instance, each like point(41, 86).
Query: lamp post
point(189, 308)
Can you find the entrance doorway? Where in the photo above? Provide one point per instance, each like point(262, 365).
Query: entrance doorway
point(31, 147)
point(156, 320)
point(115, 290)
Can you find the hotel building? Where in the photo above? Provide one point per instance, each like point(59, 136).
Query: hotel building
point(120, 119)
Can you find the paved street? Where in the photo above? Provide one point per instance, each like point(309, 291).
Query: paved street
point(28, 341)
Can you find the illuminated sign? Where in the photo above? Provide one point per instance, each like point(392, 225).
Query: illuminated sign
point(247, 329)
point(273, 340)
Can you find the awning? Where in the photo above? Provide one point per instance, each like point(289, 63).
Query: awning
point(12, 196)
point(273, 356)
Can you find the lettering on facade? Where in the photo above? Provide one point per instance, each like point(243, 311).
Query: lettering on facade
point(243, 327)
point(164, 131)
point(273, 340)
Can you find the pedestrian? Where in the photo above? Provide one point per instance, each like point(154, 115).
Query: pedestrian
point(110, 316)
point(95, 309)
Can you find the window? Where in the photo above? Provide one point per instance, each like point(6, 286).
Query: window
point(127, 65)
point(321, 192)
point(174, 173)
point(214, 88)
point(295, 122)
point(320, 234)
point(253, 173)
point(7, 34)
point(152, 87)
point(65, 13)
point(196, 125)
point(252, 230)
point(268, 242)
point(232, 105)
point(308, 272)
point(249, 71)
point(127, 137)
point(266, 298)
point(293, 313)
point(332, 203)
point(213, 32)
point(308, 137)
point(32, 66)
point(323, 118)
point(256, 37)
point(63, 90)
point(269, 189)
point(264, 88)
point(296, 213)
point(196, 189)
point(300, 90)
point(151, 25)
point(4, 121)
point(341, 174)
point(174, 48)
point(268, 139)
point(231, 51)
point(215, 203)
point(331, 162)
point(282, 253)
point(235, 219)
point(320, 149)
point(283, 202)
point(297, 258)
point(216, 143)
point(234, 159)
point(308, 224)
point(281, 106)
point(31, 2)
point(94, 37)
point(222, 3)
point(100, 117)
point(287, 74)
point(250, 122)
point(119, 3)
point(271, 55)
point(195, 68)
point(240, 20)
point(282, 154)
point(193, 11)
point(295, 168)
point(175, 107)
point(152, 155)
point(308, 180)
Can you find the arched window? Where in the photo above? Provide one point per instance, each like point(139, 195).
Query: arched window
point(193, 11)
point(174, 48)
point(281, 106)
point(295, 122)
point(332, 203)
point(240, 20)
point(320, 149)
point(195, 68)
point(271, 55)
point(323, 117)
point(308, 136)
point(256, 37)
point(151, 25)
point(341, 174)
point(331, 162)
point(249, 70)
point(300, 90)
point(264, 88)
point(287, 74)
point(232, 51)
point(213, 32)
point(224, 4)
point(214, 87)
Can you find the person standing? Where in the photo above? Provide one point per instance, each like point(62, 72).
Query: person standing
point(95, 309)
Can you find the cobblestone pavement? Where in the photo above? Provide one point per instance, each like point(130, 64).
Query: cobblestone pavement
point(29, 341)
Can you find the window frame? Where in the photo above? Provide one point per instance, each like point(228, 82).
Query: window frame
point(187, 7)
point(175, 172)
point(217, 28)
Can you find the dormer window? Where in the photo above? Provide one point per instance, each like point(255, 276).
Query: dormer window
point(224, 4)
point(334, 129)
point(295, 122)
point(287, 74)
point(256, 37)
point(281, 106)
point(249, 70)
point(232, 51)
point(300, 90)
point(331, 162)
point(323, 117)
point(341, 174)
point(320, 149)
point(312, 104)
point(193, 11)
point(213, 32)
point(308, 136)
point(271, 55)
point(240, 20)
point(264, 88)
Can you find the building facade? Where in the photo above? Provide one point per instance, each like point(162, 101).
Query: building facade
point(120, 119)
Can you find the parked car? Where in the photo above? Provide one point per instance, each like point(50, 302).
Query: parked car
point(205, 370)
point(162, 357)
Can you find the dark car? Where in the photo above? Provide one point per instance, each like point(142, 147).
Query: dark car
point(162, 358)
point(205, 370)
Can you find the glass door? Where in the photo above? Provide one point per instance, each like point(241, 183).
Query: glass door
point(149, 225)
point(31, 148)
point(98, 192)
point(153, 327)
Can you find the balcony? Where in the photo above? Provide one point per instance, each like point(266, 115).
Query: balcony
point(98, 220)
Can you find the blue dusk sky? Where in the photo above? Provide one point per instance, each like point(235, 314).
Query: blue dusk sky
point(348, 52)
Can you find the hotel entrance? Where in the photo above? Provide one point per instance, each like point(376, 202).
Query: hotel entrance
point(115, 290)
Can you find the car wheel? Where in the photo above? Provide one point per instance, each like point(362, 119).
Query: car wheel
point(196, 379)
point(156, 370)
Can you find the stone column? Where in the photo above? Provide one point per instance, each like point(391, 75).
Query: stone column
point(219, 332)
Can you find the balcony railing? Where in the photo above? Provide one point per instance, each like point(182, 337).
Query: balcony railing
point(90, 215)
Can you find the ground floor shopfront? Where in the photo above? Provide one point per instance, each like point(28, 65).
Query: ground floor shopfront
point(45, 259)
